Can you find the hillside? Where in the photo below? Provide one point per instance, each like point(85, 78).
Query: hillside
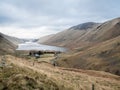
point(43, 76)
point(69, 37)
point(45, 38)
point(13, 40)
point(86, 34)
point(84, 26)
point(8, 44)
point(94, 46)
point(104, 56)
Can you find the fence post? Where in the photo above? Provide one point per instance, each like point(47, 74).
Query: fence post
point(93, 87)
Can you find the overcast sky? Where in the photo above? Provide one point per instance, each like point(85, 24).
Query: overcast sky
point(36, 18)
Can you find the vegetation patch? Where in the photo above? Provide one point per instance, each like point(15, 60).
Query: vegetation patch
point(16, 78)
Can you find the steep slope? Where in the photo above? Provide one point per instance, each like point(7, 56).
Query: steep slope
point(97, 46)
point(8, 44)
point(69, 37)
point(105, 31)
point(13, 40)
point(103, 56)
point(84, 26)
point(45, 38)
point(86, 34)
point(43, 76)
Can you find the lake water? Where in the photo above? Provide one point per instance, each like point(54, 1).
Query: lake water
point(35, 46)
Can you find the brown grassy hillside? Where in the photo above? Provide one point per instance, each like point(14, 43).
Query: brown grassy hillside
point(95, 46)
point(79, 36)
point(69, 37)
point(103, 56)
point(13, 40)
point(20, 74)
point(45, 38)
point(6, 46)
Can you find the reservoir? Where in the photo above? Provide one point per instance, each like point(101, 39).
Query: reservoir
point(29, 46)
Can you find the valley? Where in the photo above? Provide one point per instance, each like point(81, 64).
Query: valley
point(95, 47)
point(92, 61)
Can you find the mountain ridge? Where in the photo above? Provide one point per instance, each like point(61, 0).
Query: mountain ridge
point(84, 26)
point(8, 44)
point(97, 48)
point(71, 38)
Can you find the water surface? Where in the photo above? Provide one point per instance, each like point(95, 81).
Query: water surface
point(38, 47)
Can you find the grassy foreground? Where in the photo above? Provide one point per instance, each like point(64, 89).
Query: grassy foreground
point(20, 74)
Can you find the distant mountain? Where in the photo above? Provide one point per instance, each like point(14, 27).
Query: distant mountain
point(84, 26)
point(8, 44)
point(96, 46)
point(85, 34)
point(14, 40)
point(69, 37)
point(45, 38)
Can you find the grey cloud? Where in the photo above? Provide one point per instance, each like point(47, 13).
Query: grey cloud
point(43, 17)
point(55, 12)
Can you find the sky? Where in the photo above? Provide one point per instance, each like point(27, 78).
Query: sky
point(37, 18)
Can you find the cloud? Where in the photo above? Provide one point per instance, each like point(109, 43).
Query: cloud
point(54, 15)
point(35, 32)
